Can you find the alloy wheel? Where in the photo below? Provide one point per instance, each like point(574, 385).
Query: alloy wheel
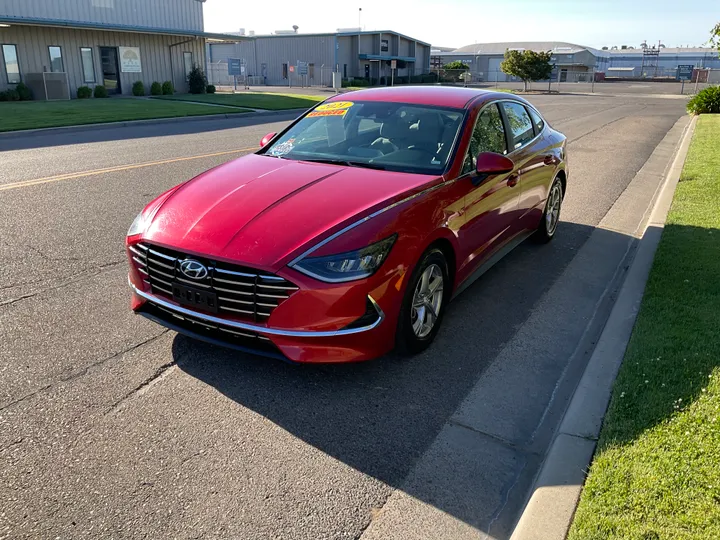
point(552, 213)
point(427, 301)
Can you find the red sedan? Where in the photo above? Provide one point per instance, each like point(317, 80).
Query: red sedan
point(348, 233)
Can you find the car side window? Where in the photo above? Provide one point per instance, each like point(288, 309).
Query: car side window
point(519, 123)
point(487, 136)
point(537, 120)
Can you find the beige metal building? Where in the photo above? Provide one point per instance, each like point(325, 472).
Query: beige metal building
point(59, 45)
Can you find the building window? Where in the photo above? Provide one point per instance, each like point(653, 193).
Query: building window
point(311, 71)
point(88, 64)
point(384, 45)
point(285, 71)
point(344, 71)
point(188, 63)
point(12, 67)
point(56, 60)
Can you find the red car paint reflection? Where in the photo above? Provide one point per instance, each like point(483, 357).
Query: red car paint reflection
point(349, 232)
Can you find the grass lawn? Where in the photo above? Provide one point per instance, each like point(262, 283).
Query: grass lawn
point(656, 473)
point(43, 114)
point(256, 100)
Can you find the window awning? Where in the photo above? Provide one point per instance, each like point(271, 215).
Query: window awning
point(383, 57)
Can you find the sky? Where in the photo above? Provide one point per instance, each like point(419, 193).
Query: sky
point(454, 23)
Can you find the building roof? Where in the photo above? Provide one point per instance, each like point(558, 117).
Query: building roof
point(330, 34)
point(500, 48)
point(61, 23)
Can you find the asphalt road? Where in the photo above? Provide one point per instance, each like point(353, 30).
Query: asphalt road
point(111, 426)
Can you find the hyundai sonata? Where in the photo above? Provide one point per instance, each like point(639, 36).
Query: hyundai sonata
point(348, 233)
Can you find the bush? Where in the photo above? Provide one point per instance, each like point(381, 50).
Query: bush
point(138, 88)
point(197, 82)
point(24, 92)
point(156, 89)
point(100, 91)
point(84, 92)
point(706, 101)
point(210, 88)
point(167, 88)
point(9, 95)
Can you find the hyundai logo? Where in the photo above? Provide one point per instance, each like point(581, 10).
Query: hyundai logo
point(193, 269)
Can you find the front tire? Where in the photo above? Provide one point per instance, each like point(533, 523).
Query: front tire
point(551, 216)
point(423, 307)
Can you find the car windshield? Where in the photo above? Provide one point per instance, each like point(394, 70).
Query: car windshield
point(389, 136)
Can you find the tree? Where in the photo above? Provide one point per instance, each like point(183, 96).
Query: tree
point(715, 37)
point(457, 64)
point(527, 65)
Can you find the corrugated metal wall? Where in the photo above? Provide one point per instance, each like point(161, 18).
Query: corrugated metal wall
point(171, 14)
point(155, 54)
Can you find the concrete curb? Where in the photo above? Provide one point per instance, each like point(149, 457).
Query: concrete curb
point(556, 492)
point(150, 121)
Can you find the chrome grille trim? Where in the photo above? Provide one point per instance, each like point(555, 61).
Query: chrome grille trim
point(180, 311)
point(250, 294)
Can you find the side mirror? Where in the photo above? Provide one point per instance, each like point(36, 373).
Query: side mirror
point(489, 163)
point(266, 139)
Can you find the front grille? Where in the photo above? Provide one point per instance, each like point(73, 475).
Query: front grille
point(214, 333)
point(241, 292)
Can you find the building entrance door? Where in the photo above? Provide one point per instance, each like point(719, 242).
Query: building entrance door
point(110, 69)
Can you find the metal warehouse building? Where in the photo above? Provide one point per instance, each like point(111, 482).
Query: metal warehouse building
point(484, 59)
point(55, 46)
point(271, 59)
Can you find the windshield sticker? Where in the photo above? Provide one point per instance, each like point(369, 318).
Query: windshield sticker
point(282, 148)
point(341, 112)
point(335, 106)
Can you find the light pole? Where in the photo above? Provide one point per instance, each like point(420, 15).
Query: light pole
point(360, 18)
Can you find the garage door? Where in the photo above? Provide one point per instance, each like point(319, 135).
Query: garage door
point(494, 72)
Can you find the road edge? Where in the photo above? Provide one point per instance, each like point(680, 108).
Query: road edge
point(549, 512)
point(149, 121)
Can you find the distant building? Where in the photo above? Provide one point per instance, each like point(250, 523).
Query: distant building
point(271, 59)
point(577, 62)
point(55, 46)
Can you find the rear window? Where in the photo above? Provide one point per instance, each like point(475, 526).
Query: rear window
point(394, 136)
point(519, 123)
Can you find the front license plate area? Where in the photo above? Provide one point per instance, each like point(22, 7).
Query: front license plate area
point(197, 298)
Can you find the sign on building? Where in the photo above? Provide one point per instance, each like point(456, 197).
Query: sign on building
point(393, 64)
point(302, 68)
point(130, 59)
point(685, 72)
point(234, 66)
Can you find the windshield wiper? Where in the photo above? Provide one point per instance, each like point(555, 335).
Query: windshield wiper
point(345, 162)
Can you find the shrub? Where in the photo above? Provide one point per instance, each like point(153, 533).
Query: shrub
point(100, 91)
point(24, 92)
point(197, 82)
point(167, 88)
point(706, 101)
point(210, 88)
point(84, 92)
point(9, 95)
point(138, 88)
point(156, 89)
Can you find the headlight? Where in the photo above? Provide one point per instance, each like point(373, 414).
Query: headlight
point(348, 266)
point(139, 225)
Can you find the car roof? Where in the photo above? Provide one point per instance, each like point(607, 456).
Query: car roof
point(441, 96)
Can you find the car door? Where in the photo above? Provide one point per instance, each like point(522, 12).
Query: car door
point(490, 203)
point(526, 151)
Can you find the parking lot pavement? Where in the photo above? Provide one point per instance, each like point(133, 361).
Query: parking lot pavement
point(111, 426)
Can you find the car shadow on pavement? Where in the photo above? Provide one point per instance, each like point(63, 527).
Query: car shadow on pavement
point(92, 134)
point(380, 416)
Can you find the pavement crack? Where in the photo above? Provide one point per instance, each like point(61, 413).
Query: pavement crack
point(496, 438)
point(14, 443)
point(52, 259)
point(159, 374)
point(83, 371)
point(506, 497)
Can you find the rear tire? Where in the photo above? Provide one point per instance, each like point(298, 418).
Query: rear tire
point(423, 307)
point(551, 215)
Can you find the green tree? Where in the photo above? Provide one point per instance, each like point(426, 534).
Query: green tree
point(457, 64)
point(527, 65)
point(197, 83)
point(715, 37)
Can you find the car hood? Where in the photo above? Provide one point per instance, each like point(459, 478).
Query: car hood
point(260, 211)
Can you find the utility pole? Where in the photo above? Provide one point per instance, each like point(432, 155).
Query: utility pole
point(360, 18)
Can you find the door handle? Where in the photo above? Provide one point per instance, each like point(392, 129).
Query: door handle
point(549, 160)
point(513, 180)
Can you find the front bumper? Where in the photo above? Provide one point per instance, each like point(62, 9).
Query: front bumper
point(364, 340)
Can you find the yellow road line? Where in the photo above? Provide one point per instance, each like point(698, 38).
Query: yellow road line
point(71, 176)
